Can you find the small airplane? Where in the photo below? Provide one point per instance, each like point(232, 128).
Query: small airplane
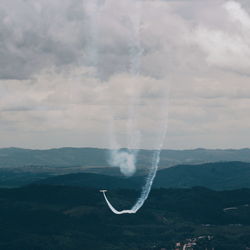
point(103, 191)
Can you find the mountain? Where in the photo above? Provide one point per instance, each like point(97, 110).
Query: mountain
point(216, 176)
point(45, 217)
point(90, 158)
point(90, 180)
point(17, 157)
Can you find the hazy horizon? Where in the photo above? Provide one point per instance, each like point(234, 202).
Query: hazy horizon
point(174, 149)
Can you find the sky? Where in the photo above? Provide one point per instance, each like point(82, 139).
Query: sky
point(102, 73)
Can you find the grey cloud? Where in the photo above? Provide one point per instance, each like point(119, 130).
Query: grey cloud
point(62, 100)
point(36, 35)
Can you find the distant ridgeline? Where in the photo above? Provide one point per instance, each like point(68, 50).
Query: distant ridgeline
point(95, 157)
point(88, 167)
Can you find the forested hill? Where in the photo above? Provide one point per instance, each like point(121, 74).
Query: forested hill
point(73, 218)
point(217, 176)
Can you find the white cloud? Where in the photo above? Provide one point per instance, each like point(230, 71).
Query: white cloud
point(227, 48)
point(237, 13)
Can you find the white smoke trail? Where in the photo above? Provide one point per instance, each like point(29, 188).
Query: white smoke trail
point(92, 8)
point(135, 51)
point(145, 190)
point(126, 159)
point(118, 157)
point(135, 41)
point(113, 209)
point(149, 181)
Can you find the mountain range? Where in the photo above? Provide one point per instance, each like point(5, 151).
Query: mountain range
point(96, 157)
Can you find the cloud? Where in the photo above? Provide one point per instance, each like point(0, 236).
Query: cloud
point(36, 35)
point(65, 72)
point(237, 13)
point(227, 48)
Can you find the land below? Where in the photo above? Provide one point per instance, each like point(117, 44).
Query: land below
point(50, 200)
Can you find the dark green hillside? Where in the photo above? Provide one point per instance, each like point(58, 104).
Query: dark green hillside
point(217, 176)
point(91, 181)
point(73, 218)
point(20, 177)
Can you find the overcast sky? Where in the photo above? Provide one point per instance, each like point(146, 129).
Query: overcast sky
point(72, 72)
